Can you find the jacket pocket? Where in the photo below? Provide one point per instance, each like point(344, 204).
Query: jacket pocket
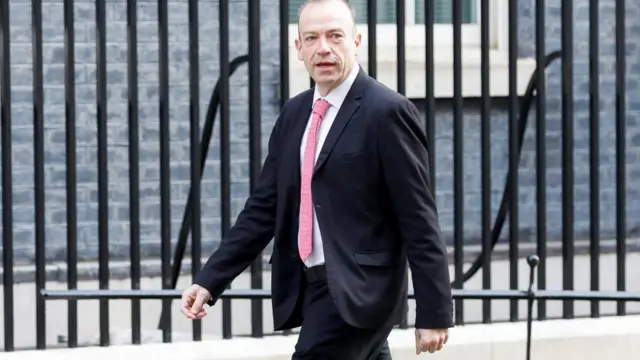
point(352, 156)
point(378, 258)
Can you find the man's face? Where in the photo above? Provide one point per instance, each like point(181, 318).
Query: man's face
point(327, 42)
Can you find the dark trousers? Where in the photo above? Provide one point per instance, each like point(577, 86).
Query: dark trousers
point(325, 336)
point(385, 352)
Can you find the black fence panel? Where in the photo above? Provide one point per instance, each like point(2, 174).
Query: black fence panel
point(541, 152)
point(7, 178)
point(134, 170)
point(621, 136)
point(133, 131)
point(38, 171)
point(71, 169)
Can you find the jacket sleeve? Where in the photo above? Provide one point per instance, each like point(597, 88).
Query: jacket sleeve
point(405, 166)
point(252, 231)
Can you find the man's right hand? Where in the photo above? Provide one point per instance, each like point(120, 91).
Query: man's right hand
point(193, 300)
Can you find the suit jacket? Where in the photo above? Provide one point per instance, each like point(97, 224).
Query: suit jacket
point(374, 206)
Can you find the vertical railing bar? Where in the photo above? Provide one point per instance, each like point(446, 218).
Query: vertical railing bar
point(38, 171)
point(225, 155)
point(134, 161)
point(621, 178)
point(255, 150)
point(513, 155)
point(567, 154)
point(401, 73)
point(71, 173)
point(103, 182)
point(372, 36)
point(485, 135)
point(284, 62)
point(430, 99)
point(284, 52)
point(541, 155)
point(165, 166)
point(401, 42)
point(188, 215)
point(194, 139)
point(594, 150)
point(7, 186)
point(458, 153)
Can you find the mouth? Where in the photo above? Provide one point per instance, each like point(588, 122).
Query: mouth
point(325, 64)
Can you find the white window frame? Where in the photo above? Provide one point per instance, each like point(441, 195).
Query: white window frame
point(443, 56)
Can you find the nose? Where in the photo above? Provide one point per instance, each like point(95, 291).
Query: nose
point(323, 47)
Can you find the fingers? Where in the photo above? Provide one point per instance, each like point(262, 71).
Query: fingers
point(438, 344)
point(199, 315)
point(186, 301)
point(198, 303)
point(430, 341)
point(191, 304)
point(430, 345)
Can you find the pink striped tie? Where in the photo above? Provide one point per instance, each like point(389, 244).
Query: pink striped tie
point(305, 235)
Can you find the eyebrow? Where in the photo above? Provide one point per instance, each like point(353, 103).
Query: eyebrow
point(330, 31)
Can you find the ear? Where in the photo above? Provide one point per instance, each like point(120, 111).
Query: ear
point(358, 40)
point(298, 44)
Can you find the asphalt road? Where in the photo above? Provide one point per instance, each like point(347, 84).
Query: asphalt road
point(120, 310)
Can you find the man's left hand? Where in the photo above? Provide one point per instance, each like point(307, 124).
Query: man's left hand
point(428, 340)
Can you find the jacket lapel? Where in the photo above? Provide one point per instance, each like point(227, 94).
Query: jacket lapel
point(300, 124)
point(347, 110)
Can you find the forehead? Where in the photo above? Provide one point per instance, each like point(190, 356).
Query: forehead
point(325, 16)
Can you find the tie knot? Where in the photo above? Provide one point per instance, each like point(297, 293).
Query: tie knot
point(321, 107)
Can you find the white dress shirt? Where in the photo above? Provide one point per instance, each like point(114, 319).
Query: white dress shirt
point(335, 98)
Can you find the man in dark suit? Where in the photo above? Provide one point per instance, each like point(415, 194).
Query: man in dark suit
point(345, 194)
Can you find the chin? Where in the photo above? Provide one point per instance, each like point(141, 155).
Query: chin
point(324, 77)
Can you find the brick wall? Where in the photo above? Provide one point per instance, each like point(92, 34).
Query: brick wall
point(149, 170)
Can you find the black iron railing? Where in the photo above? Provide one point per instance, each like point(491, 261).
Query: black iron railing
point(542, 86)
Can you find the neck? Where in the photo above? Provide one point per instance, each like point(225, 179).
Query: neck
point(324, 89)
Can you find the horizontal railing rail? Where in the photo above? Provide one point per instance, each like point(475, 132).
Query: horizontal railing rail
point(265, 294)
